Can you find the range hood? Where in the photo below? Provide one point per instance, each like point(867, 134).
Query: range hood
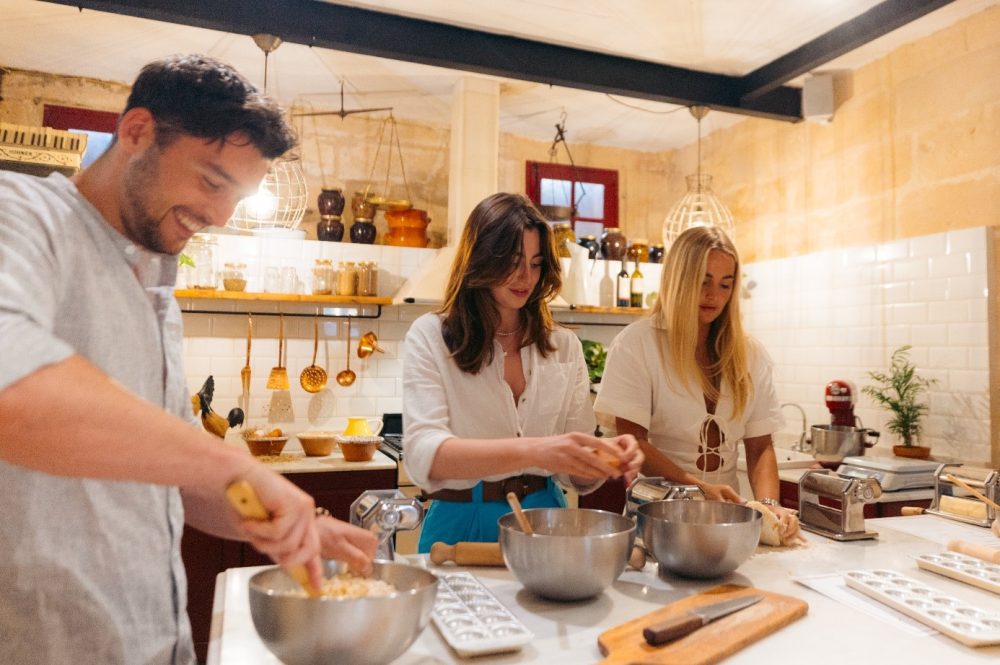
point(427, 285)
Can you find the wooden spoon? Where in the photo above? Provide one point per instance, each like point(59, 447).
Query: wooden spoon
point(346, 377)
point(313, 378)
point(244, 499)
point(515, 505)
point(278, 379)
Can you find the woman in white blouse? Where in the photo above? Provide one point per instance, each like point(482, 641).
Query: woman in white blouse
point(689, 384)
point(495, 396)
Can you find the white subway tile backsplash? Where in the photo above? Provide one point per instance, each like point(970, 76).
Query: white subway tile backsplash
point(951, 265)
point(967, 334)
point(929, 246)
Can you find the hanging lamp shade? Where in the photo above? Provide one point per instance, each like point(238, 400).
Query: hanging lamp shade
point(280, 201)
point(699, 206)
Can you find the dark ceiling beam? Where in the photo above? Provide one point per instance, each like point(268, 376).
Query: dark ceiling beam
point(413, 40)
point(872, 24)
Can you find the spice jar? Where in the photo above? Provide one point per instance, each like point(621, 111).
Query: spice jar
point(201, 250)
point(639, 250)
point(613, 244)
point(322, 274)
point(563, 234)
point(234, 276)
point(368, 278)
point(347, 278)
point(656, 253)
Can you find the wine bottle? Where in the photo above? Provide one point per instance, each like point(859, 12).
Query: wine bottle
point(636, 289)
point(623, 297)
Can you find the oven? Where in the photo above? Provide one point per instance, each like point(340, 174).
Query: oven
point(392, 447)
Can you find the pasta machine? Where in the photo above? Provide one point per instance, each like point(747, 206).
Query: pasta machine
point(384, 512)
point(846, 522)
point(956, 503)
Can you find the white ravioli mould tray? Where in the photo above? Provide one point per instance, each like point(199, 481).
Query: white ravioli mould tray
point(963, 568)
point(959, 620)
point(472, 621)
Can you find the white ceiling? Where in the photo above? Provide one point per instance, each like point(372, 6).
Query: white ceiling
point(732, 37)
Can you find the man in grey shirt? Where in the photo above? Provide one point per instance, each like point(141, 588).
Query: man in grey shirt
point(100, 465)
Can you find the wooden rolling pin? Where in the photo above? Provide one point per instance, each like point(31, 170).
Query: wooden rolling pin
point(910, 511)
point(467, 554)
point(245, 501)
point(984, 552)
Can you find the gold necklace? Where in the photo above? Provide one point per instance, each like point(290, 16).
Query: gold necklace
point(501, 333)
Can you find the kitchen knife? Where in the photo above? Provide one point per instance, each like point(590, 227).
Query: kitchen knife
point(692, 620)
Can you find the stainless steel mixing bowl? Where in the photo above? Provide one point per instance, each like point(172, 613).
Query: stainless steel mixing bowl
point(360, 631)
point(573, 554)
point(700, 539)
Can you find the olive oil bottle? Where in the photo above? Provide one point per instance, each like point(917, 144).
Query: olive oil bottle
point(636, 288)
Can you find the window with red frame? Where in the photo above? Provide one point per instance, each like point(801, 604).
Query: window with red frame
point(99, 126)
point(593, 192)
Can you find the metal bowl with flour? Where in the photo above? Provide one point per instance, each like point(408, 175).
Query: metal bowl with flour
point(701, 539)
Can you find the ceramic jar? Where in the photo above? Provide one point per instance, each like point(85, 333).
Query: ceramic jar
point(363, 231)
point(591, 245)
point(331, 207)
point(613, 244)
point(407, 228)
point(656, 253)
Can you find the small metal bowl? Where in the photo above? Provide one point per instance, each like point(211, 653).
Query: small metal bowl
point(700, 539)
point(573, 554)
point(361, 631)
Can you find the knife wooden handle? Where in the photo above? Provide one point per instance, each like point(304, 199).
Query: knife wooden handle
point(467, 554)
point(672, 629)
point(245, 501)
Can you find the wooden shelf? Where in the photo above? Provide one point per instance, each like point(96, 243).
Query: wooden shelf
point(210, 301)
point(593, 309)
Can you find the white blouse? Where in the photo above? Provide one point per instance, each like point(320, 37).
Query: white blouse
point(634, 387)
point(442, 402)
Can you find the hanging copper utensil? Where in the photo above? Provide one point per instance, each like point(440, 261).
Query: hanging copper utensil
point(245, 375)
point(368, 344)
point(313, 378)
point(278, 380)
point(347, 377)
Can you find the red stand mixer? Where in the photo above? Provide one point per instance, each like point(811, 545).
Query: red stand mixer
point(832, 443)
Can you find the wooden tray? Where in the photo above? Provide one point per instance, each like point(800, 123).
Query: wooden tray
point(709, 644)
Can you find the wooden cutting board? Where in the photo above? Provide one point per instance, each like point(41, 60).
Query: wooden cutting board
point(708, 644)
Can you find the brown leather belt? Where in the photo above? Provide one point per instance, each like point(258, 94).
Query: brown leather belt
point(496, 490)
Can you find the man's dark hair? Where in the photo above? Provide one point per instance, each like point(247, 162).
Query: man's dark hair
point(206, 98)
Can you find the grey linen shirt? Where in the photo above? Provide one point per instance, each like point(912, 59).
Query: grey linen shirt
point(90, 570)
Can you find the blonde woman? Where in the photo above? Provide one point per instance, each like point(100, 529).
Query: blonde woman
point(689, 384)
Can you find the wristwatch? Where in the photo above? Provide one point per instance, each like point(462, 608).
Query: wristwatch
point(768, 501)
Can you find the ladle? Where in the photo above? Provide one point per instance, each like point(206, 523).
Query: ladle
point(515, 505)
point(313, 378)
point(278, 379)
point(346, 377)
point(368, 344)
point(245, 373)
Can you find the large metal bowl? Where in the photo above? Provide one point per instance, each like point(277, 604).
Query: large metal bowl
point(701, 539)
point(361, 631)
point(573, 554)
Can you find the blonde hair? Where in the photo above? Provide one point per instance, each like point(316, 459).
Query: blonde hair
point(676, 314)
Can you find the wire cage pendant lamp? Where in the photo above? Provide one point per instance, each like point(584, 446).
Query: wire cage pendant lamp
point(699, 206)
point(280, 200)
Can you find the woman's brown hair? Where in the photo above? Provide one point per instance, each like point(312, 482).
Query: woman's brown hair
point(492, 243)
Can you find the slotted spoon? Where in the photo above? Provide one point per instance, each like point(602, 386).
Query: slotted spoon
point(313, 378)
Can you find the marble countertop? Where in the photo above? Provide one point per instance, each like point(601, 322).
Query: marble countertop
point(832, 632)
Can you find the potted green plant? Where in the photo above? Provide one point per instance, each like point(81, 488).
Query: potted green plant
point(594, 354)
point(900, 391)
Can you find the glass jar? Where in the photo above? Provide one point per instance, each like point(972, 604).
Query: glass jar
point(656, 253)
point(563, 234)
point(368, 278)
point(613, 244)
point(347, 278)
point(234, 276)
point(201, 250)
point(639, 250)
point(322, 274)
point(591, 245)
